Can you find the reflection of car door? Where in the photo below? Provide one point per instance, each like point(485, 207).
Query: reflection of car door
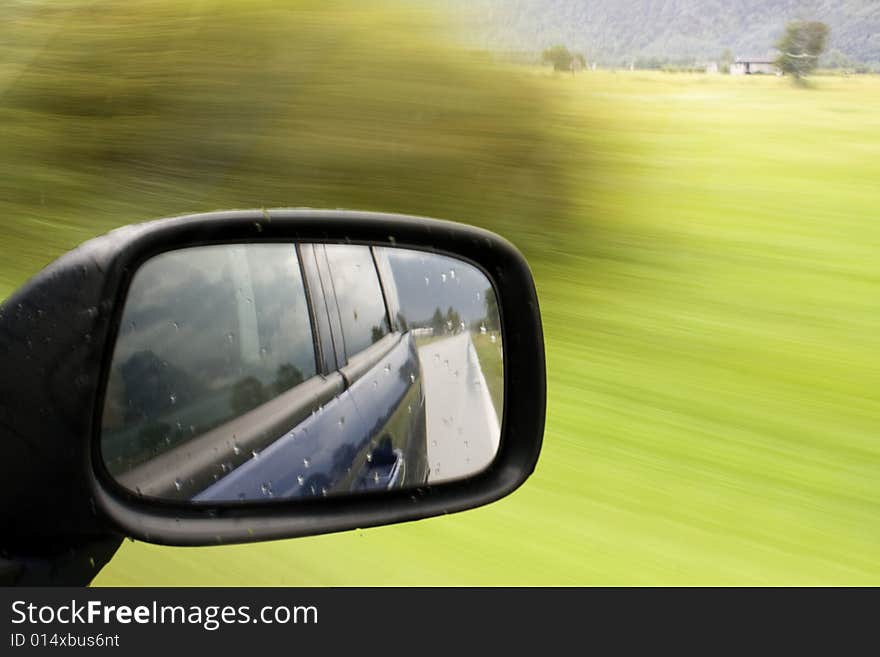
point(382, 370)
point(370, 433)
point(204, 380)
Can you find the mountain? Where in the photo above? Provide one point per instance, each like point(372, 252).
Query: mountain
point(623, 30)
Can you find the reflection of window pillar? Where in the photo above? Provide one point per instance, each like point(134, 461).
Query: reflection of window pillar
point(248, 331)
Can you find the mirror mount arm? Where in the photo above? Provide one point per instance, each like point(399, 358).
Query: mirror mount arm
point(52, 337)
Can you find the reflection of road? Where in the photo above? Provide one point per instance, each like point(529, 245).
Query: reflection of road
point(463, 429)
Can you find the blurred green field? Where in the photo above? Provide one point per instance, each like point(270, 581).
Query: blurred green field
point(491, 355)
point(705, 250)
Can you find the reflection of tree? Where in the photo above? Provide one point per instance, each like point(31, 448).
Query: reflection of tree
point(152, 386)
point(491, 309)
point(437, 321)
point(288, 376)
point(453, 319)
point(152, 437)
point(247, 394)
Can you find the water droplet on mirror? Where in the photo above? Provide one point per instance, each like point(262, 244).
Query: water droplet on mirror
point(369, 458)
point(175, 326)
point(266, 489)
point(482, 329)
point(388, 369)
point(306, 463)
point(236, 449)
point(341, 421)
point(412, 378)
point(300, 480)
point(323, 491)
point(255, 454)
point(230, 337)
point(172, 398)
point(442, 278)
point(375, 384)
point(452, 273)
point(434, 443)
point(178, 484)
point(427, 281)
point(492, 338)
point(409, 408)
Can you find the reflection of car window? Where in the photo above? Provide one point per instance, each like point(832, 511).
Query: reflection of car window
point(207, 334)
point(358, 296)
point(441, 293)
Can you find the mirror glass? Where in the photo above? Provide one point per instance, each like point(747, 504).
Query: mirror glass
point(273, 371)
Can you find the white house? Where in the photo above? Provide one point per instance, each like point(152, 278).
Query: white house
point(765, 64)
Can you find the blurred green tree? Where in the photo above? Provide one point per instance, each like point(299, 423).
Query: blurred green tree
point(563, 59)
point(800, 47)
point(124, 111)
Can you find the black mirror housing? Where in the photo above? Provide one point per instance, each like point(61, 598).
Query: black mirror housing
point(56, 339)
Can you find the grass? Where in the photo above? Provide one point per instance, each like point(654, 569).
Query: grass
point(712, 343)
point(490, 355)
point(705, 251)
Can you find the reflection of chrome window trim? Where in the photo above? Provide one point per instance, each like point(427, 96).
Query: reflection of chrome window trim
point(363, 361)
point(329, 287)
point(321, 315)
point(311, 303)
point(388, 287)
point(186, 469)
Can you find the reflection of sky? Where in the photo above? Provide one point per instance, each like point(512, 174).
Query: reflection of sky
point(235, 304)
point(426, 281)
point(198, 322)
point(358, 295)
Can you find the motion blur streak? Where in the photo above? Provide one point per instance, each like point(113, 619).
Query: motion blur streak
point(705, 251)
point(113, 112)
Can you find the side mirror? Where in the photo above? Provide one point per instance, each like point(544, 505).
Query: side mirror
point(251, 375)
